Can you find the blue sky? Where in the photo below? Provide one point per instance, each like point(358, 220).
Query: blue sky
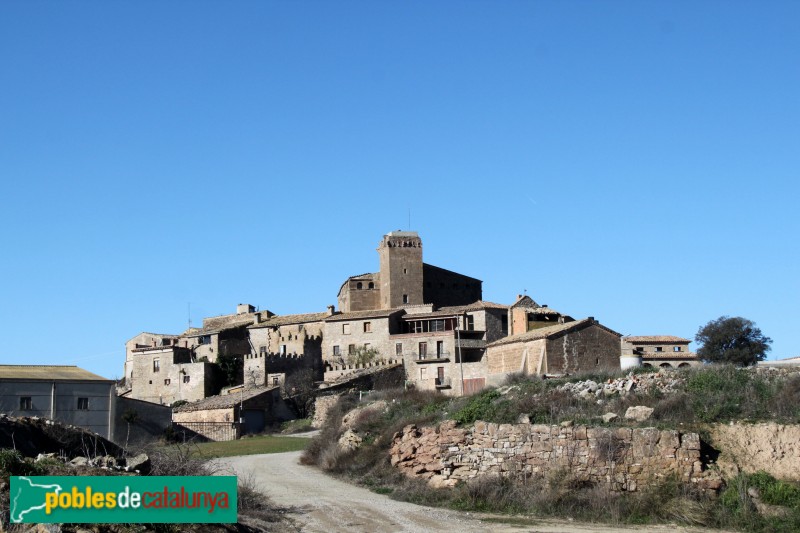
point(633, 161)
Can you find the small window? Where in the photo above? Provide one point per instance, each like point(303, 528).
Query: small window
point(275, 380)
point(336, 350)
point(367, 327)
point(167, 381)
point(405, 298)
point(659, 349)
point(470, 325)
point(83, 404)
point(262, 350)
point(351, 349)
point(371, 285)
point(186, 379)
point(504, 319)
point(156, 365)
point(359, 285)
point(640, 349)
point(283, 349)
point(25, 403)
point(405, 271)
point(205, 339)
point(345, 329)
point(398, 348)
point(423, 350)
point(676, 348)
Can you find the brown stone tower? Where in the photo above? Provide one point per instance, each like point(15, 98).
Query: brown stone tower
point(400, 255)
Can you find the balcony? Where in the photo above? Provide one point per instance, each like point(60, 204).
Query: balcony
point(443, 383)
point(442, 357)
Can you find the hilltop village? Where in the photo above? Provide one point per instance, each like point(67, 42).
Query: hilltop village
point(430, 321)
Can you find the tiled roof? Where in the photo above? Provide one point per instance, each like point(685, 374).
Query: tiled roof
point(644, 339)
point(357, 315)
point(223, 401)
point(525, 301)
point(221, 323)
point(455, 309)
point(550, 331)
point(48, 373)
point(283, 320)
point(544, 311)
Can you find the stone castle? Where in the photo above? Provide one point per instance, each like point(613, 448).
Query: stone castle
point(429, 319)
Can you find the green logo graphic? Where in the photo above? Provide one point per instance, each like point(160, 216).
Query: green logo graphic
point(123, 499)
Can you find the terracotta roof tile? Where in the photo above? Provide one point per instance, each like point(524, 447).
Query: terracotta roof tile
point(283, 320)
point(48, 372)
point(644, 339)
point(223, 401)
point(549, 331)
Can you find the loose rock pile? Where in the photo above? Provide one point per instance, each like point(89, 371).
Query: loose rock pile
point(663, 381)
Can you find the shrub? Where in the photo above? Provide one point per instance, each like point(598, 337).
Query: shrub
point(722, 393)
point(478, 407)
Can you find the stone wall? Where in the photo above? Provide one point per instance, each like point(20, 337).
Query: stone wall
point(624, 459)
point(322, 405)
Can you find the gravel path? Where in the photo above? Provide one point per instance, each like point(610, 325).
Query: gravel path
point(322, 504)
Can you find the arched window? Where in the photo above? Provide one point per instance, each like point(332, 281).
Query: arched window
point(371, 285)
point(665, 365)
point(359, 285)
point(684, 365)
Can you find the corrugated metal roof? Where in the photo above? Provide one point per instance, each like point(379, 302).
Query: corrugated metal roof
point(48, 373)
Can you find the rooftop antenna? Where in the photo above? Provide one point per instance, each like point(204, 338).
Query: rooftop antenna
point(189, 313)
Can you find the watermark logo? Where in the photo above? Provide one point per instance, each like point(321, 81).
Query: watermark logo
point(123, 499)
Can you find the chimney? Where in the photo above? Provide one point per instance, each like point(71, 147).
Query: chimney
point(519, 297)
point(591, 318)
point(257, 318)
point(331, 310)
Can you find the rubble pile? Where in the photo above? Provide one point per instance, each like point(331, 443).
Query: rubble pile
point(662, 381)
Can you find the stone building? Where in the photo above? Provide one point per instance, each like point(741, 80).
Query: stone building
point(166, 374)
point(282, 345)
point(229, 416)
point(404, 280)
point(431, 319)
point(445, 349)
point(665, 351)
point(68, 394)
point(571, 347)
point(526, 315)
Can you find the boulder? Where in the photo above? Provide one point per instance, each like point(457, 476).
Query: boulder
point(638, 413)
point(139, 462)
point(349, 441)
point(610, 417)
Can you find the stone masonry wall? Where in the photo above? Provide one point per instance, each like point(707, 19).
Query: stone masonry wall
point(624, 459)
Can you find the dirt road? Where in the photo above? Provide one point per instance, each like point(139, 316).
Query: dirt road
point(323, 504)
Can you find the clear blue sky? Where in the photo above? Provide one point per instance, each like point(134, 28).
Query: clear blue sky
point(633, 161)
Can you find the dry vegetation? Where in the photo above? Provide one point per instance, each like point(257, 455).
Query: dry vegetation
point(717, 394)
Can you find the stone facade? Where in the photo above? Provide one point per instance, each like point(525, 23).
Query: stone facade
point(228, 416)
point(404, 280)
point(565, 348)
point(166, 375)
point(623, 459)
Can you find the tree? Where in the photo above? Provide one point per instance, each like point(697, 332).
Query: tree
point(300, 389)
point(733, 340)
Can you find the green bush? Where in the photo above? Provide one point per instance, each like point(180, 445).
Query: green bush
point(720, 394)
point(774, 491)
point(478, 407)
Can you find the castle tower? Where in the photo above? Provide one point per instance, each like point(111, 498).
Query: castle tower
point(400, 255)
